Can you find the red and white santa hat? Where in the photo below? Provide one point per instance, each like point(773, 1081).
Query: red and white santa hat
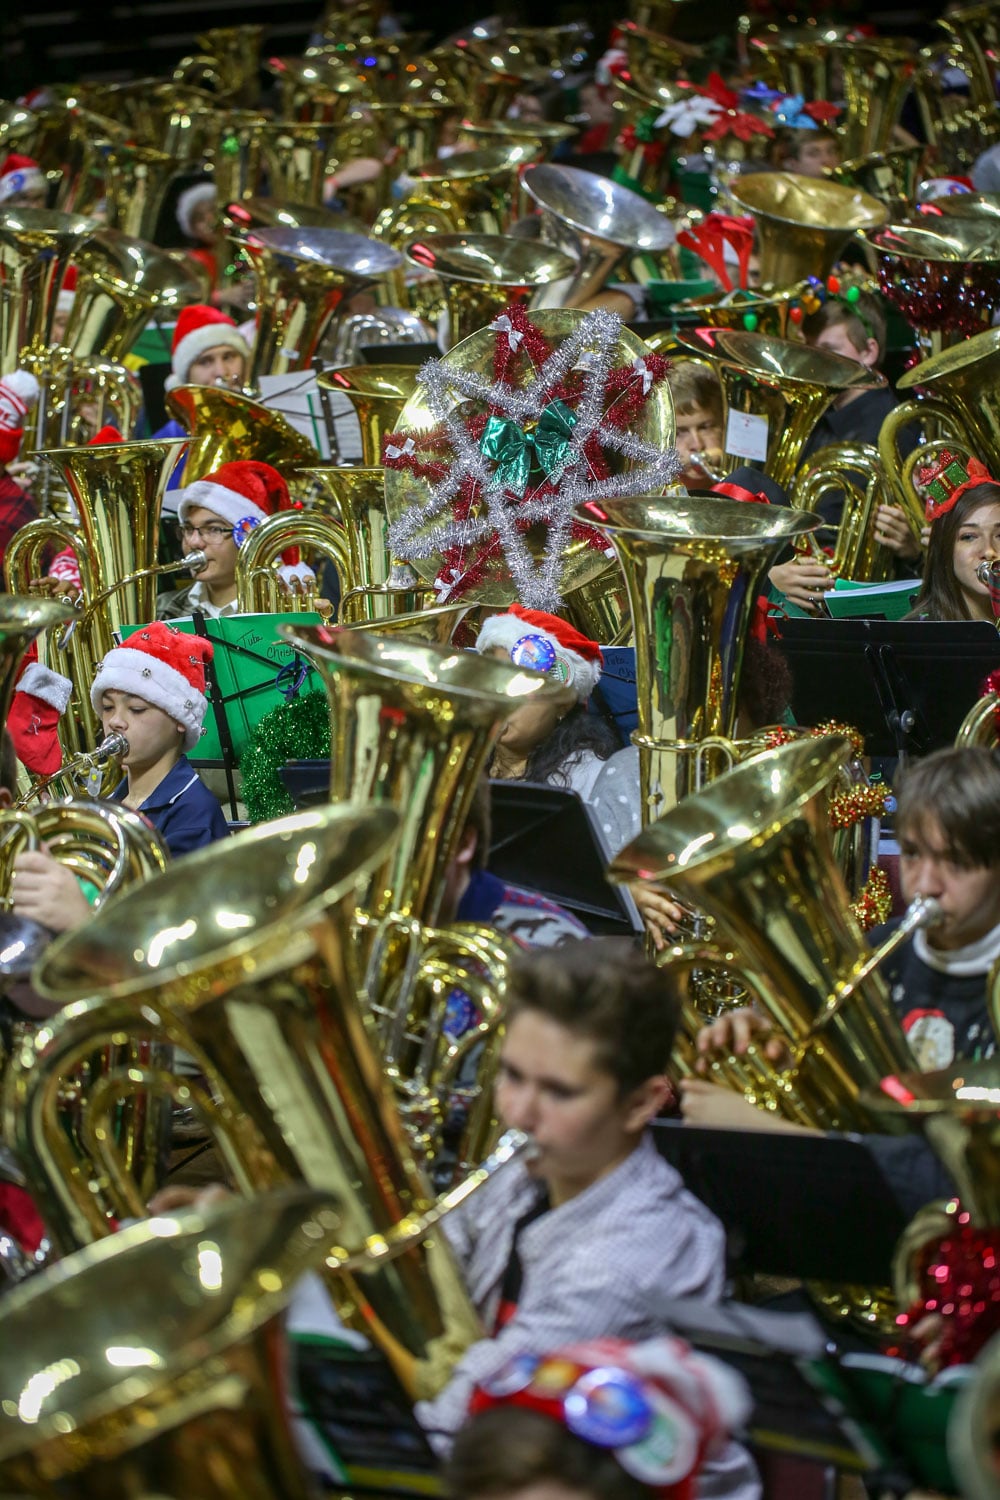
point(191, 199)
point(18, 394)
point(163, 667)
point(659, 1406)
point(19, 174)
point(547, 644)
point(200, 328)
point(243, 494)
point(40, 699)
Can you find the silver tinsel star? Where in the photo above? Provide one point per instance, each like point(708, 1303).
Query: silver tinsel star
point(429, 529)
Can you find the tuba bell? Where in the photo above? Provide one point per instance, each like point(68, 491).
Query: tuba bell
point(803, 224)
point(482, 273)
point(225, 426)
point(942, 276)
point(754, 851)
point(36, 248)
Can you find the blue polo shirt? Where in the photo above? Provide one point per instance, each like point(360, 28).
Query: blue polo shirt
point(182, 810)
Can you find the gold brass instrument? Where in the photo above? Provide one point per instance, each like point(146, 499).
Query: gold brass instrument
point(293, 157)
point(754, 851)
point(944, 276)
point(890, 176)
point(976, 31)
point(260, 589)
point(117, 489)
point(871, 75)
point(594, 221)
point(522, 57)
point(981, 726)
point(803, 224)
point(481, 273)
point(304, 277)
point(36, 248)
point(225, 426)
point(255, 979)
point(789, 382)
point(78, 775)
point(22, 621)
point(228, 65)
point(853, 469)
point(694, 567)
point(121, 283)
point(103, 842)
point(470, 192)
point(139, 1356)
point(313, 89)
point(482, 134)
point(137, 179)
point(960, 382)
point(974, 206)
point(378, 394)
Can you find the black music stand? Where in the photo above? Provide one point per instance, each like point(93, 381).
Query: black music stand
point(818, 1207)
point(906, 684)
point(543, 838)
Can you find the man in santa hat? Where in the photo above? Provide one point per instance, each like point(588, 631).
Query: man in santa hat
point(216, 516)
point(22, 183)
point(208, 349)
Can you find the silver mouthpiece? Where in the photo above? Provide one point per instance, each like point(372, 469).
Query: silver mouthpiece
point(923, 911)
point(194, 561)
point(989, 573)
point(112, 747)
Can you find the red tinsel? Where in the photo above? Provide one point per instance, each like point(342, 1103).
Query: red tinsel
point(532, 343)
point(874, 905)
point(626, 391)
point(959, 1277)
point(848, 808)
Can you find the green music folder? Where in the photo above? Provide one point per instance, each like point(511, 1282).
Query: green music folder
point(253, 670)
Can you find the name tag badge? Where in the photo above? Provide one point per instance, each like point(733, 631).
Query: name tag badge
point(746, 436)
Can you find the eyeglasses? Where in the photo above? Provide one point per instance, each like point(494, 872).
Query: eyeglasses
point(207, 533)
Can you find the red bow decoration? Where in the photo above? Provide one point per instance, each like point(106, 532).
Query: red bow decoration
point(737, 492)
point(709, 238)
point(820, 111)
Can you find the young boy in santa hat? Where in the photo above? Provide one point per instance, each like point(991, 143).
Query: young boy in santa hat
point(208, 349)
point(22, 182)
point(152, 691)
point(216, 515)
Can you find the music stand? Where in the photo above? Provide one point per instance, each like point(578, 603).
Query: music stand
point(906, 684)
point(307, 782)
point(543, 838)
point(817, 1207)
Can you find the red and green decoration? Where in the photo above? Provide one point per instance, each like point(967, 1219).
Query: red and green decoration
point(522, 450)
point(946, 478)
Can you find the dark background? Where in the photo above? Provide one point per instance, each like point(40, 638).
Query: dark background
point(45, 41)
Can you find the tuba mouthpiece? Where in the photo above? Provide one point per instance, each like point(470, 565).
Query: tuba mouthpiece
point(989, 573)
point(193, 562)
point(112, 747)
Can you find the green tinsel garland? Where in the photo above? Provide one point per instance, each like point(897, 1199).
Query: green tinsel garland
point(298, 730)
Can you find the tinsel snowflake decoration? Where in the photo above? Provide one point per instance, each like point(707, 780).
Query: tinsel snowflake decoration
point(528, 455)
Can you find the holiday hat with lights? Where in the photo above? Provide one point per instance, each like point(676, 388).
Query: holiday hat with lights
point(658, 1406)
point(18, 394)
point(164, 668)
point(946, 478)
point(545, 643)
point(243, 494)
point(200, 328)
point(19, 174)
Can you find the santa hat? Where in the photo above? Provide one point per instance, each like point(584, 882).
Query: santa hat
point(190, 200)
point(18, 394)
point(19, 174)
point(163, 667)
point(546, 644)
point(244, 493)
point(40, 699)
point(658, 1406)
point(199, 328)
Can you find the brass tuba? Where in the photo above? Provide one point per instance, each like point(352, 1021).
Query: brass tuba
point(943, 279)
point(481, 273)
point(36, 248)
point(224, 426)
point(694, 566)
point(139, 1356)
point(754, 851)
point(803, 224)
point(254, 976)
point(855, 471)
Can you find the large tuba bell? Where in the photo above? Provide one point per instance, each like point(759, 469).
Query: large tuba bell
point(378, 394)
point(754, 851)
point(226, 426)
point(890, 176)
point(36, 248)
point(944, 277)
point(693, 566)
point(254, 976)
point(303, 277)
point(595, 221)
point(803, 224)
point(481, 273)
point(133, 1359)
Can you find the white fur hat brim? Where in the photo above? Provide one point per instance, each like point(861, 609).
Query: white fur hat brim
point(506, 630)
point(191, 199)
point(125, 670)
point(51, 687)
point(228, 505)
point(198, 342)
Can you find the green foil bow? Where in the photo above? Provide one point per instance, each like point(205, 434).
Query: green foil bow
point(516, 452)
